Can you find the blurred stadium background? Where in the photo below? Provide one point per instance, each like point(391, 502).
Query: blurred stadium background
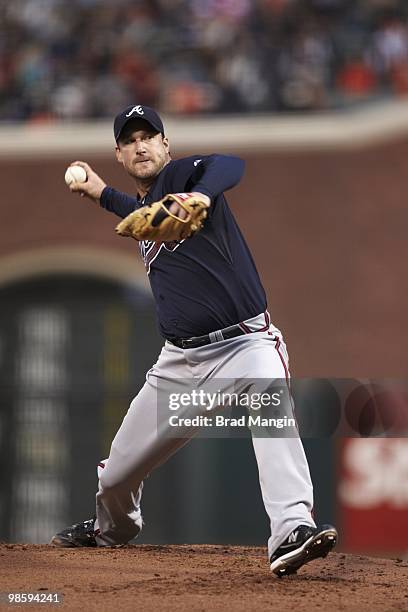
point(313, 96)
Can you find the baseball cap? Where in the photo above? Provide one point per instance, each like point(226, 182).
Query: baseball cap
point(137, 111)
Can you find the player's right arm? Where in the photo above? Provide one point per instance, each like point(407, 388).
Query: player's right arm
point(97, 190)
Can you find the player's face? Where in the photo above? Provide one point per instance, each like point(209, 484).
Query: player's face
point(142, 152)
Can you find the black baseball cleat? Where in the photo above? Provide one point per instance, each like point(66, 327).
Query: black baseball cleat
point(80, 534)
point(301, 546)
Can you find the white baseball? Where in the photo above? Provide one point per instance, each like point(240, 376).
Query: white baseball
point(75, 174)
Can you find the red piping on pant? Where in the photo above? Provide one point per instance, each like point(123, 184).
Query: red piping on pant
point(277, 345)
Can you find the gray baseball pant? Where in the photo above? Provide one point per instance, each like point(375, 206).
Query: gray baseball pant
point(139, 447)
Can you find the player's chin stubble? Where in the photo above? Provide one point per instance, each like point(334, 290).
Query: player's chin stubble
point(142, 171)
point(147, 171)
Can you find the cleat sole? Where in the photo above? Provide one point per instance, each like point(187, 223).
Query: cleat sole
point(316, 547)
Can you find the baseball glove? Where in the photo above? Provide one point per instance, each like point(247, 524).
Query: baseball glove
point(155, 222)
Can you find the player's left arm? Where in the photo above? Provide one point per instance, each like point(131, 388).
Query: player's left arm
point(212, 175)
point(216, 173)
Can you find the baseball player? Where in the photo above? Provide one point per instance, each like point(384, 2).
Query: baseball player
point(212, 313)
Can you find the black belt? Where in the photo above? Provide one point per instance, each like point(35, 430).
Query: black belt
point(221, 334)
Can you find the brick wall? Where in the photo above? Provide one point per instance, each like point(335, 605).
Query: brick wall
point(327, 230)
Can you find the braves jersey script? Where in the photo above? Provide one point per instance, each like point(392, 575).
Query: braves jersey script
point(208, 281)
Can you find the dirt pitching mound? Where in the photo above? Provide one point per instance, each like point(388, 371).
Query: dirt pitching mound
point(204, 578)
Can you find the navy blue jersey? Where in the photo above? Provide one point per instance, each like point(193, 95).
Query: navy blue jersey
point(209, 281)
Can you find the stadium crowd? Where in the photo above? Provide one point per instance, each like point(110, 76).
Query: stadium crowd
point(74, 59)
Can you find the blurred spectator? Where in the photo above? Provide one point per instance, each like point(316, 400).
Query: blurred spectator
point(356, 79)
point(390, 48)
point(305, 68)
point(78, 59)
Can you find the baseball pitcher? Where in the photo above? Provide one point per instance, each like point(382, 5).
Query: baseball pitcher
point(212, 314)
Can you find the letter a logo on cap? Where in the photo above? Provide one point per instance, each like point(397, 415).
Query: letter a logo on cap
point(136, 109)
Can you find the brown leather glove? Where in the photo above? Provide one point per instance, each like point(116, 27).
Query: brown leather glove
point(155, 222)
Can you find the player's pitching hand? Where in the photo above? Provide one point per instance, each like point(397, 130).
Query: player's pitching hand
point(93, 186)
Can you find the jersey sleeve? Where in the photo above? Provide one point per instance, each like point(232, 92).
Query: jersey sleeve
point(208, 174)
point(117, 202)
point(216, 174)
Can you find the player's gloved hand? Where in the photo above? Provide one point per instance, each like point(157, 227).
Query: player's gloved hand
point(92, 187)
point(175, 217)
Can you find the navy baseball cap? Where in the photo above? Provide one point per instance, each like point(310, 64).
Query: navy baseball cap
point(137, 112)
